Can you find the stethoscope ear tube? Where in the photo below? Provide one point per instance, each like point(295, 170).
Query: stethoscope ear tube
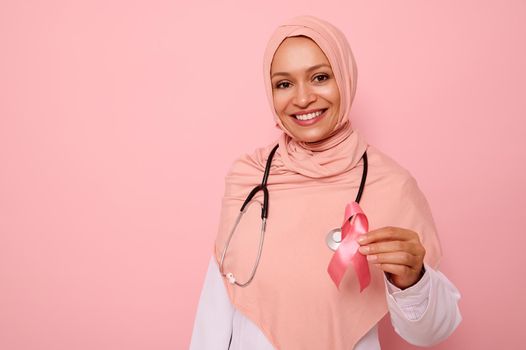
point(364, 177)
point(250, 196)
point(262, 187)
point(333, 238)
point(264, 210)
point(267, 166)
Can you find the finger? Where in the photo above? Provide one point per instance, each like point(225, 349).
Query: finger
point(414, 248)
point(389, 246)
point(396, 258)
point(395, 269)
point(387, 234)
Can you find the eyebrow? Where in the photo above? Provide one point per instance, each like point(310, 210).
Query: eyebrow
point(308, 69)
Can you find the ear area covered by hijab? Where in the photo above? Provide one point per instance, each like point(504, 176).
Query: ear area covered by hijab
point(292, 298)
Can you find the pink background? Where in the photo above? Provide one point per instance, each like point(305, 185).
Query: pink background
point(119, 119)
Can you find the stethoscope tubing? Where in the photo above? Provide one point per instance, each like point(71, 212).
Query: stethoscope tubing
point(264, 215)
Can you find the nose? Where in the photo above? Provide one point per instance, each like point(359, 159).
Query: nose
point(304, 96)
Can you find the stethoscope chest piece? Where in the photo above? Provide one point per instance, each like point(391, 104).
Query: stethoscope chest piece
point(333, 238)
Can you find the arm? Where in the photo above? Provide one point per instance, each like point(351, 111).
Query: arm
point(213, 320)
point(427, 312)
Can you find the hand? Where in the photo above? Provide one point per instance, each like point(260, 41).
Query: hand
point(397, 251)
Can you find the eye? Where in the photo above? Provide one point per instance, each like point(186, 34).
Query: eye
point(282, 85)
point(321, 77)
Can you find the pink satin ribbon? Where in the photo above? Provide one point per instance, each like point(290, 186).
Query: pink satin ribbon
point(355, 224)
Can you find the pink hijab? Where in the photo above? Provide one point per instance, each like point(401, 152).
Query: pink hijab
point(292, 298)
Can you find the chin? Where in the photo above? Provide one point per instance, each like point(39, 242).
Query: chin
point(309, 138)
point(316, 134)
point(310, 135)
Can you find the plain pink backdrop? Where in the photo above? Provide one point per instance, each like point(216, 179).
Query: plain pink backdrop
point(119, 120)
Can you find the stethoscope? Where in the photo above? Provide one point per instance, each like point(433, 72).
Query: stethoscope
point(333, 238)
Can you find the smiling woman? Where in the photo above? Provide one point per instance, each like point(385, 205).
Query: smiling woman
point(306, 96)
point(299, 293)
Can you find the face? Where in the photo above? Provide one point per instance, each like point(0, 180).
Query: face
point(304, 90)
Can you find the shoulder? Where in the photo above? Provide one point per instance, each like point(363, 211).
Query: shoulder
point(247, 170)
point(250, 163)
point(395, 199)
point(385, 170)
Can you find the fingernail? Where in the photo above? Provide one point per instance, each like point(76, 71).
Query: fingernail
point(361, 239)
point(372, 257)
point(364, 249)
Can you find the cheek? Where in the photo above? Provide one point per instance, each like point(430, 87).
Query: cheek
point(331, 94)
point(280, 103)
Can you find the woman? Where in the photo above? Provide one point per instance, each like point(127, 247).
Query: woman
point(294, 299)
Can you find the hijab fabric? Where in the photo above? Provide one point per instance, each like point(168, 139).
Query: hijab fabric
point(292, 298)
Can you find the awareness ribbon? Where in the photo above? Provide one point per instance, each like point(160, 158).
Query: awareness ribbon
point(354, 225)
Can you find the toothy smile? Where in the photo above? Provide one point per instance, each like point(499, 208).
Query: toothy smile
point(308, 116)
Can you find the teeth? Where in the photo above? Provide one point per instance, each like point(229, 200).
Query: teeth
point(308, 116)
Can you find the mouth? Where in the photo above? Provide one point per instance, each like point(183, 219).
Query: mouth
point(309, 117)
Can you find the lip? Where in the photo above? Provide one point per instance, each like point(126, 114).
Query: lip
point(313, 120)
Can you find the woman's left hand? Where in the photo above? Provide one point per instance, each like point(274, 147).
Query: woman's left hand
point(397, 251)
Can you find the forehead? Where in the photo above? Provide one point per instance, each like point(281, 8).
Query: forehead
point(297, 53)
